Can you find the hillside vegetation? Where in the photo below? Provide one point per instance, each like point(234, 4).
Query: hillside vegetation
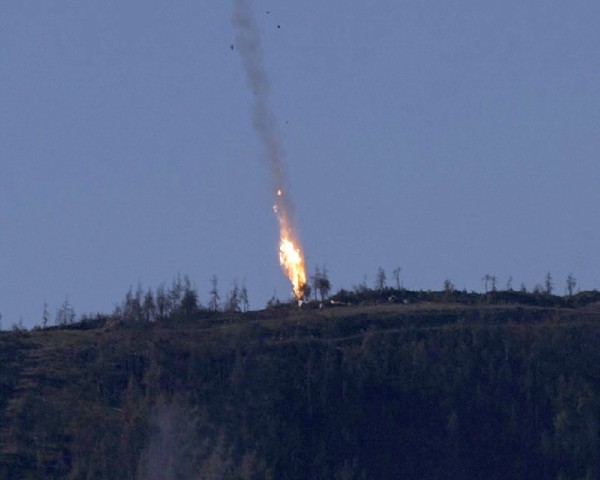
point(386, 386)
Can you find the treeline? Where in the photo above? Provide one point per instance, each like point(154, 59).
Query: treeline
point(498, 297)
point(179, 301)
point(182, 300)
point(542, 295)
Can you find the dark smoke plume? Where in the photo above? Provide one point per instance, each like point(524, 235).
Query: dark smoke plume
point(249, 45)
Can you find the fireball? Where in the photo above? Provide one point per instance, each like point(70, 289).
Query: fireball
point(292, 263)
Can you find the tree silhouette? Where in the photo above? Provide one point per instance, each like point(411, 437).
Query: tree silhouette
point(321, 282)
point(244, 297)
point(131, 309)
point(571, 283)
point(45, 316)
point(65, 314)
point(448, 287)
point(149, 307)
point(176, 292)
point(315, 280)
point(162, 303)
point(232, 303)
point(380, 280)
point(189, 299)
point(486, 279)
point(396, 275)
point(548, 285)
point(324, 286)
point(213, 303)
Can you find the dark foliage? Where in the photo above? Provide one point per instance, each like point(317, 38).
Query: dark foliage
point(450, 385)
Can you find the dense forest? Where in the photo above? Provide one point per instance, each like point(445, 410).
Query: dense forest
point(380, 383)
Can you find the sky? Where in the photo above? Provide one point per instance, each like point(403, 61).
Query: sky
point(451, 139)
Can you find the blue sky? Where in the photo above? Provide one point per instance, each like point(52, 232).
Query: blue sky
point(452, 139)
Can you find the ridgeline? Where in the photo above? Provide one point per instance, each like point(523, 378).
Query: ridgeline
point(373, 385)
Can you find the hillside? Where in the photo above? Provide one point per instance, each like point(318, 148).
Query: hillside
point(477, 387)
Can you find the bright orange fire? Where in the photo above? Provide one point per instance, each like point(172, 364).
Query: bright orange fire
point(292, 262)
point(290, 253)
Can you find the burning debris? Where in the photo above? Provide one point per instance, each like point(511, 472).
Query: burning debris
point(248, 44)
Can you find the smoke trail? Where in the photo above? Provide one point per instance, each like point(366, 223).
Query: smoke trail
point(249, 45)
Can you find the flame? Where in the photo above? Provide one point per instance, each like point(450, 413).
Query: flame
point(291, 257)
point(292, 262)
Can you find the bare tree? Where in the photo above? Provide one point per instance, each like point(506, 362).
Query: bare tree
point(244, 297)
point(396, 275)
point(162, 303)
point(189, 299)
point(149, 307)
point(213, 303)
point(315, 280)
point(380, 280)
point(448, 287)
point(324, 284)
point(131, 309)
point(45, 316)
point(493, 282)
point(486, 279)
point(176, 292)
point(509, 284)
point(571, 284)
point(548, 284)
point(321, 282)
point(233, 299)
point(65, 314)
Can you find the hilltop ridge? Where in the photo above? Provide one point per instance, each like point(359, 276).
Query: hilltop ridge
point(442, 386)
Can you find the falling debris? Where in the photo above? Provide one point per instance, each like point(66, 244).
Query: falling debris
point(248, 44)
